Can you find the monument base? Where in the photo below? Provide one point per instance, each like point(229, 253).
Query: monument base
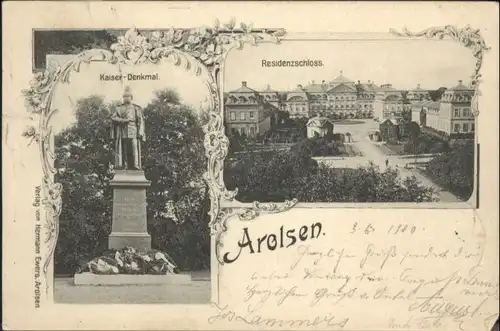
point(129, 211)
point(88, 278)
point(140, 241)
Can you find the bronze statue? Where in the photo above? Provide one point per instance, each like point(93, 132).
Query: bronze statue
point(128, 132)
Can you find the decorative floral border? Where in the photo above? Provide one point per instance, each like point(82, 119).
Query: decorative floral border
point(203, 50)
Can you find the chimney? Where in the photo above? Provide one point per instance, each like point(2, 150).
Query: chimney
point(268, 86)
point(244, 83)
point(312, 82)
point(369, 81)
point(418, 86)
point(460, 82)
point(323, 82)
point(359, 82)
point(299, 86)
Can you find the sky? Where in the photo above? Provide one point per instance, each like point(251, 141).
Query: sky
point(86, 82)
point(404, 64)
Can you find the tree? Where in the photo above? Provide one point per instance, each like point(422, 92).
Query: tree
point(454, 169)
point(436, 94)
point(173, 160)
point(276, 176)
point(414, 130)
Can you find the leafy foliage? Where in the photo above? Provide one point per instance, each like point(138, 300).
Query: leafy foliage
point(173, 160)
point(278, 176)
point(319, 146)
point(425, 143)
point(454, 169)
point(436, 94)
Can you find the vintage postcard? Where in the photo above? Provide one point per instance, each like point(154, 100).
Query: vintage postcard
point(241, 166)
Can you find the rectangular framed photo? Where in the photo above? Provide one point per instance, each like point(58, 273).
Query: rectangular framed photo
point(223, 172)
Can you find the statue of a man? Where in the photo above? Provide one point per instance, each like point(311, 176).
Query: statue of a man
point(128, 132)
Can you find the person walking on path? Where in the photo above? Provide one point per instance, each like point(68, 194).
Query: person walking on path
point(386, 162)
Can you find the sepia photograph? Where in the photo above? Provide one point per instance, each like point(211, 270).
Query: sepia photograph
point(199, 166)
point(129, 155)
point(351, 121)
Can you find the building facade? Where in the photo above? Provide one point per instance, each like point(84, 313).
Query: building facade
point(425, 113)
point(452, 115)
point(455, 113)
point(246, 112)
point(271, 96)
point(251, 112)
point(390, 103)
point(418, 94)
point(297, 103)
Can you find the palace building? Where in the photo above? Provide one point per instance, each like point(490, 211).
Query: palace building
point(452, 115)
point(248, 112)
point(418, 94)
point(252, 112)
point(389, 103)
point(297, 103)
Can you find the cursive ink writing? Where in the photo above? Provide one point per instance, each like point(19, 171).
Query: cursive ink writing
point(223, 313)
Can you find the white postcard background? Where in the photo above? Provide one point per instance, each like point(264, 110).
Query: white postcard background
point(444, 229)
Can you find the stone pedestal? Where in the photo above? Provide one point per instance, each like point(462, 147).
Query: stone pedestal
point(129, 227)
point(88, 278)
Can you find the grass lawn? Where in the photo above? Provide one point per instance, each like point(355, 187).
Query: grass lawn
point(351, 150)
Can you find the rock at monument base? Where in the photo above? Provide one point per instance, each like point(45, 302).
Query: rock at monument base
point(88, 278)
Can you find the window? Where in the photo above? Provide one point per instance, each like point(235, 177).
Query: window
point(465, 127)
point(233, 116)
point(252, 130)
point(252, 115)
point(457, 112)
point(242, 116)
point(472, 127)
point(456, 128)
point(242, 131)
point(466, 112)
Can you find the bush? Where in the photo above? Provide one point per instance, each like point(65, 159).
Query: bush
point(454, 170)
point(426, 143)
point(278, 176)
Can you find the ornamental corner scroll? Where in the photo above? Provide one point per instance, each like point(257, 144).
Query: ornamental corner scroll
point(467, 37)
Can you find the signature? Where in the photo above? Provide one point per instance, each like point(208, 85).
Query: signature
point(437, 308)
point(224, 313)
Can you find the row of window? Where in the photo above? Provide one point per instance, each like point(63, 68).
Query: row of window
point(251, 115)
point(342, 98)
point(252, 130)
point(341, 106)
point(462, 112)
point(464, 128)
